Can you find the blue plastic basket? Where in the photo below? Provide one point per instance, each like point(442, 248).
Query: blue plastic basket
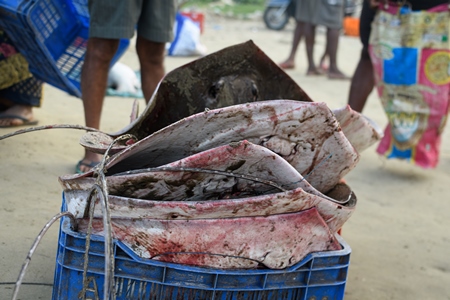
point(320, 275)
point(52, 35)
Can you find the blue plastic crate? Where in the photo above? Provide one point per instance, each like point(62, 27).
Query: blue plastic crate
point(321, 275)
point(52, 35)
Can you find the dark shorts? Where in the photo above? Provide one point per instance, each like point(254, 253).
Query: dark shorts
point(328, 13)
point(303, 10)
point(117, 19)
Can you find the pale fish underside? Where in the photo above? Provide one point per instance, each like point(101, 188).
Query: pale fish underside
point(305, 134)
point(194, 195)
point(276, 241)
point(361, 131)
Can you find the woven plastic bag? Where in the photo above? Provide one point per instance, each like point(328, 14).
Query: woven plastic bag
point(187, 38)
point(411, 58)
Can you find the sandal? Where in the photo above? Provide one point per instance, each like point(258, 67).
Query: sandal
point(316, 72)
point(85, 163)
point(286, 66)
point(24, 121)
point(338, 76)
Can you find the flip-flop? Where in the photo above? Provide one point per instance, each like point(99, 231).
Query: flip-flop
point(315, 73)
point(338, 77)
point(286, 66)
point(25, 121)
point(85, 164)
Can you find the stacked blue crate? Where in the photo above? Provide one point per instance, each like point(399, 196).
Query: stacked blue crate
point(52, 35)
point(320, 275)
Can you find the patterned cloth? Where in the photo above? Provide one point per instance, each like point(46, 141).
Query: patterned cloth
point(410, 52)
point(16, 82)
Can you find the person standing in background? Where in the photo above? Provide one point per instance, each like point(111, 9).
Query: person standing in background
point(19, 90)
point(309, 14)
point(331, 15)
point(305, 27)
point(363, 80)
point(110, 21)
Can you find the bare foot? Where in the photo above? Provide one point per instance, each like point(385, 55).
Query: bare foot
point(338, 75)
point(314, 72)
point(323, 65)
point(17, 115)
point(288, 64)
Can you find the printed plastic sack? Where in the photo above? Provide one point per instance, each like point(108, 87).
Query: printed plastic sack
point(187, 38)
point(411, 58)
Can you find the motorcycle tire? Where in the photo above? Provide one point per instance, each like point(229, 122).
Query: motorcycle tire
point(273, 20)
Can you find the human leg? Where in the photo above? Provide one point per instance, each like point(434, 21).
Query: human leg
point(155, 29)
point(151, 58)
point(303, 9)
point(110, 20)
point(289, 63)
point(322, 65)
point(332, 45)
point(330, 15)
point(362, 83)
point(363, 80)
point(94, 74)
point(310, 37)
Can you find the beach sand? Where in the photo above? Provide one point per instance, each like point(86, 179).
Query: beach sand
point(399, 233)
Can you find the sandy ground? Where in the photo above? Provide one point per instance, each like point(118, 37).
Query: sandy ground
point(399, 234)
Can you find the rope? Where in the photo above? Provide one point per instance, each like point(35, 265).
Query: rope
point(34, 246)
point(55, 126)
point(100, 190)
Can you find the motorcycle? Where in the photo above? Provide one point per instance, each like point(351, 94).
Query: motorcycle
point(278, 12)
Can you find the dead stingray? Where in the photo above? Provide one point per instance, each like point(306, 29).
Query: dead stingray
point(234, 75)
point(183, 195)
point(276, 241)
point(204, 176)
point(244, 159)
point(305, 134)
point(361, 131)
point(334, 214)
